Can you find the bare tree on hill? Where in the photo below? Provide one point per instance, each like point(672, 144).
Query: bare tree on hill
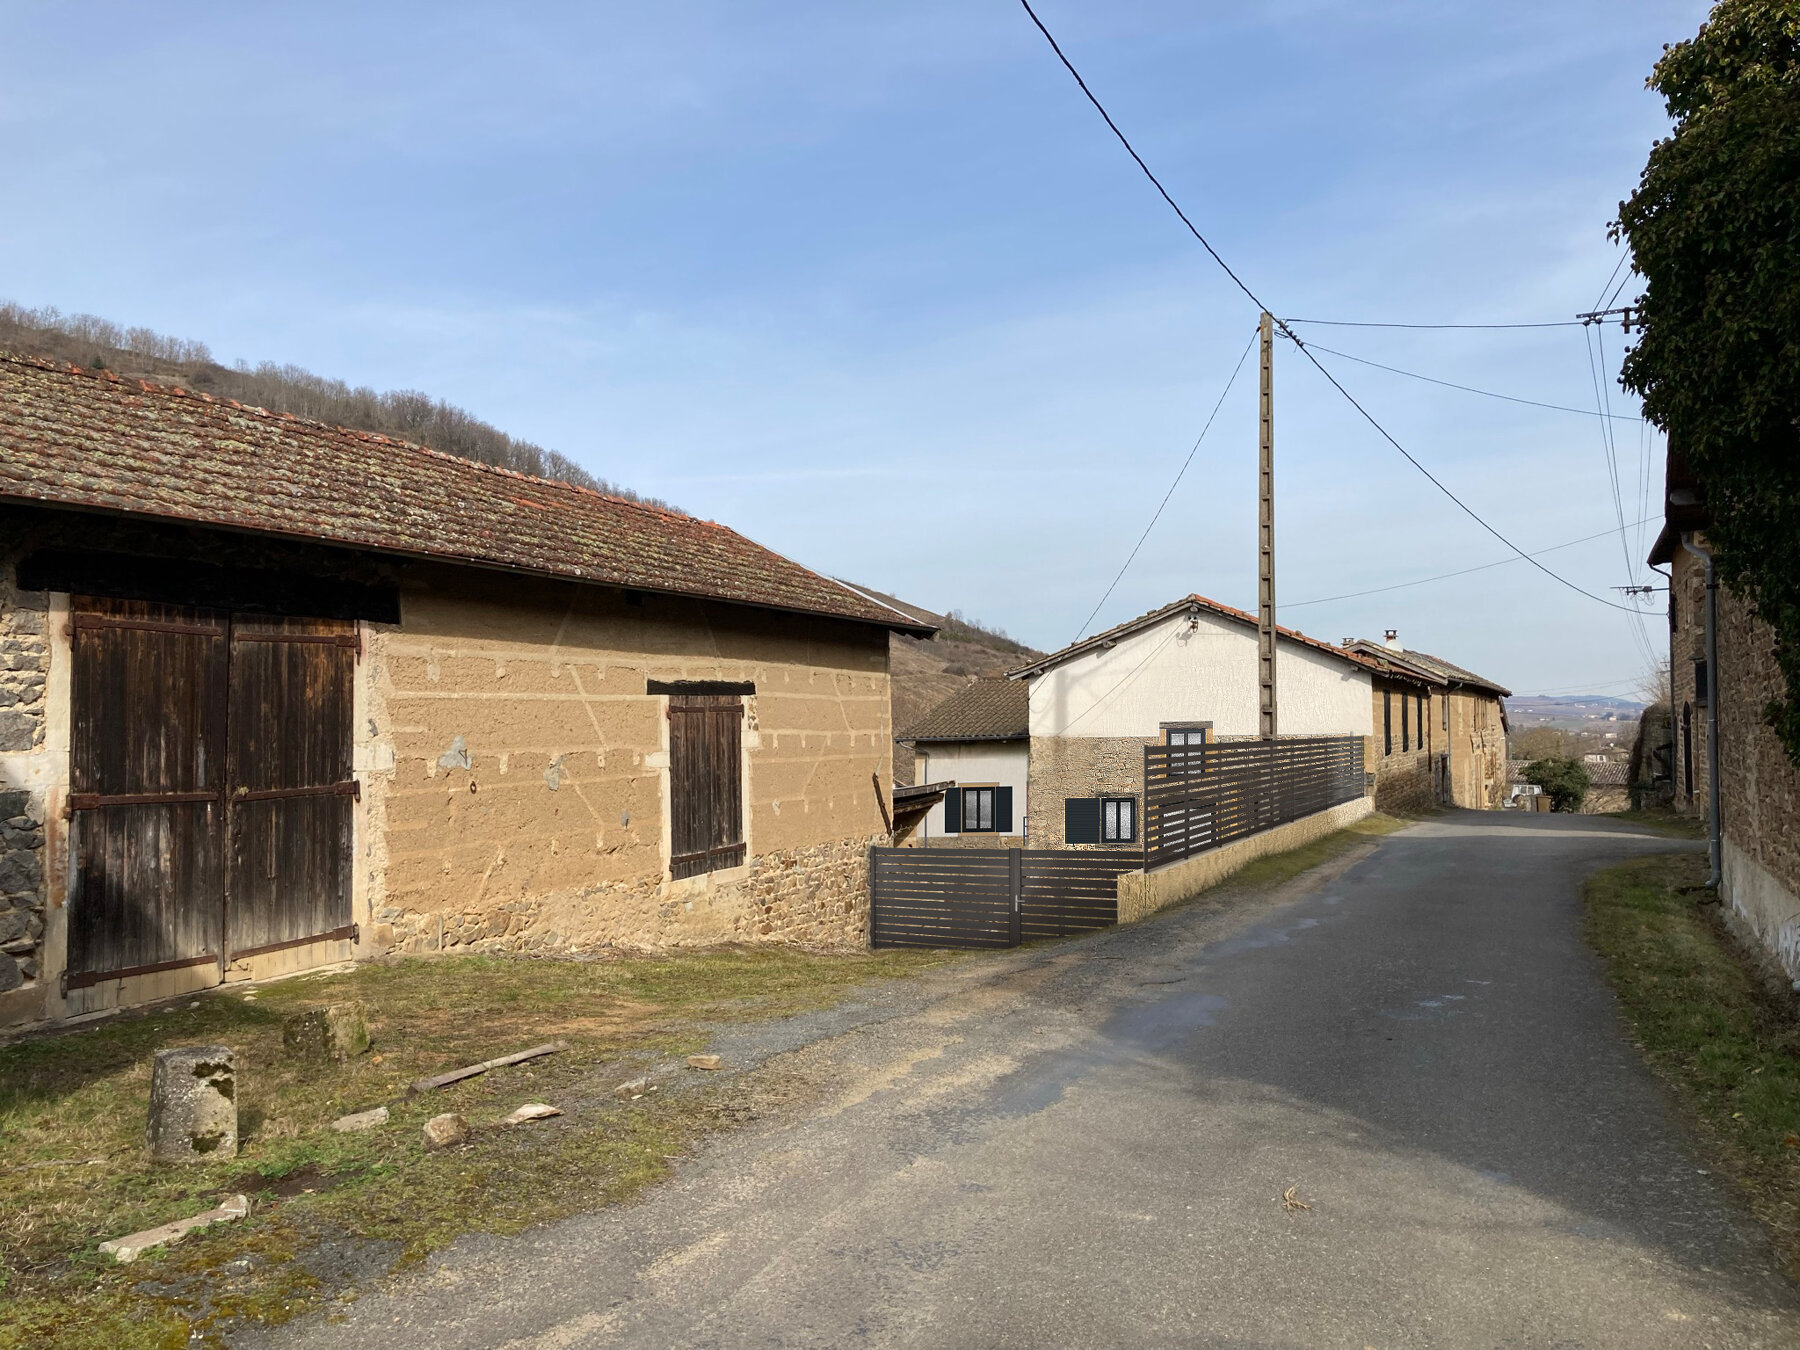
point(405, 414)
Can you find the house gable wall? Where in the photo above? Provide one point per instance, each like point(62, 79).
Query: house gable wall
point(1003, 763)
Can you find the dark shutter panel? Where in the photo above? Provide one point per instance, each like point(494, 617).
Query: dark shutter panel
point(1081, 820)
point(953, 811)
point(1387, 722)
point(1003, 822)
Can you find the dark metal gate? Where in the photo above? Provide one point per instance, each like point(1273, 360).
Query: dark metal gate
point(210, 786)
point(990, 897)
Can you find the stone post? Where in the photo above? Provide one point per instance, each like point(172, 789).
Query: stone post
point(193, 1104)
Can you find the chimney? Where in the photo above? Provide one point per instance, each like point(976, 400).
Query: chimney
point(1391, 640)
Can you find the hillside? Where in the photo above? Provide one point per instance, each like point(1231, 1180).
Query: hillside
point(926, 671)
point(405, 414)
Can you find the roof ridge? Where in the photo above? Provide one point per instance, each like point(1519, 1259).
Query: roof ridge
point(380, 438)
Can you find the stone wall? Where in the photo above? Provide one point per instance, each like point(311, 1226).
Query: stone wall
point(1687, 644)
point(1477, 746)
point(815, 897)
point(24, 675)
point(1405, 780)
point(1082, 766)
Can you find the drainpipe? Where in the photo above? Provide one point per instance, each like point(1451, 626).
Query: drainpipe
point(1712, 708)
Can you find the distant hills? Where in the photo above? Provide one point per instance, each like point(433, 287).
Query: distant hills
point(1570, 710)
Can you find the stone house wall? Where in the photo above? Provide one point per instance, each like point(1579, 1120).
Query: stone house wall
point(1477, 749)
point(1406, 779)
point(24, 677)
point(1082, 766)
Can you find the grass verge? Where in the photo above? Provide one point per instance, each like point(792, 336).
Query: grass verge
point(1663, 821)
point(335, 1208)
point(1723, 1036)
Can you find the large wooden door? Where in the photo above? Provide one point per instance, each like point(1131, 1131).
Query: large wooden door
point(211, 789)
point(147, 788)
point(292, 788)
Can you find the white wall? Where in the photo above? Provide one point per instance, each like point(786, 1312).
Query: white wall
point(1004, 763)
point(1198, 669)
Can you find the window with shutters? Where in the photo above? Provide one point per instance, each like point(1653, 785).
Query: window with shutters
point(1118, 820)
point(1191, 738)
point(706, 793)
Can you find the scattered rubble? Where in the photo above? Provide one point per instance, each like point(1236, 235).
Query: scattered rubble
point(635, 1088)
point(127, 1249)
point(445, 1131)
point(705, 1062)
point(457, 1075)
point(361, 1120)
point(531, 1111)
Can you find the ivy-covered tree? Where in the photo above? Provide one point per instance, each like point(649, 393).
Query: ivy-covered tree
point(1564, 781)
point(1714, 230)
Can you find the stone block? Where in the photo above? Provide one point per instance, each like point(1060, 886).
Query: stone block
point(445, 1131)
point(14, 803)
point(362, 1120)
point(18, 731)
point(193, 1104)
point(20, 871)
point(127, 1249)
point(19, 925)
point(337, 1031)
point(11, 975)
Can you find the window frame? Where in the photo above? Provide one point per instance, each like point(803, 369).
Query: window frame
point(1131, 837)
point(976, 790)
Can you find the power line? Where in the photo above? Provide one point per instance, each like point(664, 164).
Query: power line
point(1471, 389)
point(1353, 323)
point(1172, 486)
point(1288, 332)
point(1444, 576)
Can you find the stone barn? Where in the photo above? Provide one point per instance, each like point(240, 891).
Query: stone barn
point(276, 695)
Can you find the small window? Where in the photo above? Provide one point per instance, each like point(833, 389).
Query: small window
point(1118, 820)
point(1189, 741)
point(1700, 682)
point(978, 810)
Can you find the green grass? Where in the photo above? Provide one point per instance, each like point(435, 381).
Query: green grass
point(1726, 1041)
point(1663, 821)
point(1279, 867)
point(83, 1095)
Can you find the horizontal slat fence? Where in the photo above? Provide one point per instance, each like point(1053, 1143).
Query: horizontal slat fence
point(990, 897)
point(1197, 797)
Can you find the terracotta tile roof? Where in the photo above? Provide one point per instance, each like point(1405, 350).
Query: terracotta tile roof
point(984, 710)
point(89, 439)
point(1444, 671)
point(1611, 773)
point(1156, 616)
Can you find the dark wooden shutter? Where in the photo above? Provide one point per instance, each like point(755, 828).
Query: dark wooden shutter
point(1003, 820)
point(706, 799)
point(147, 788)
point(1387, 721)
point(293, 791)
point(1405, 722)
point(1081, 820)
point(953, 811)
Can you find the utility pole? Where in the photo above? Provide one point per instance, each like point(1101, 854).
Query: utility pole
point(1265, 533)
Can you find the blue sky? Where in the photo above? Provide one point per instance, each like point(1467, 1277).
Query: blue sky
point(873, 284)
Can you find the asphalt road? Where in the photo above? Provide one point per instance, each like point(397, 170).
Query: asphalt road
point(1087, 1145)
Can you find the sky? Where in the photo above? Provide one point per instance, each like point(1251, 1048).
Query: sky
point(875, 286)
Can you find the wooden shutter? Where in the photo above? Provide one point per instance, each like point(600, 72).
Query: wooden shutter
point(953, 811)
point(1081, 820)
point(1003, 817)
point(706, 799)
point(1405, 722)
point(1387, 721)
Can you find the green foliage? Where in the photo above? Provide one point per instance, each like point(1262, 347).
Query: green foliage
point(1713, 228)
point(1564, 781)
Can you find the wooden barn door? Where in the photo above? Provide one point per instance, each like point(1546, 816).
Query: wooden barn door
point(147, 788)
point(292, 789)
point(211, 793)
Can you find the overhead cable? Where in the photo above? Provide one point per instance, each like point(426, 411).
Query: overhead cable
point(1471, 389)
point(1287, 332)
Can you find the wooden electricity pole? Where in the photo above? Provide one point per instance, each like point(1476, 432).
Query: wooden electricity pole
point(1265, 533)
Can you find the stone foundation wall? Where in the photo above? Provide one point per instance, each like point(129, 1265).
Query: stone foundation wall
point(1081, 766)
point(24, 676)
point(815, 897)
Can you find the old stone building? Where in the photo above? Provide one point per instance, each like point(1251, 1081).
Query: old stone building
point(1464, 752)
point(1758, 822)
point(277, 695)
point(1182, 674)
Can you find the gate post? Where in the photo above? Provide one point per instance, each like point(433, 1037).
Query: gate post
point(1014, 888)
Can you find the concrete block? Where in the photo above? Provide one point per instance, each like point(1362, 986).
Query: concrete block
point(337, 1031)
point(193, 1104)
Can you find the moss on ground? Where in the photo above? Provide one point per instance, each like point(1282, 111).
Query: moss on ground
point(330, 1205)
point(1724, 1036)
